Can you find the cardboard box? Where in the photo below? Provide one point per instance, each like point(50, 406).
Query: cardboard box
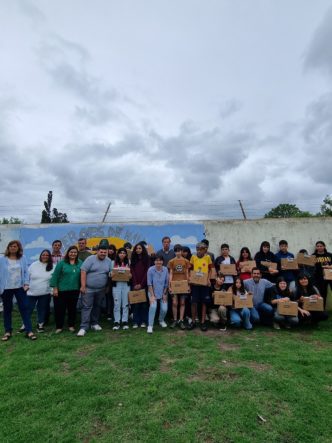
point(121, 275)
point(289, 264)
point(288, 308)
point(222, 298)
point(313, 304)
point(243, 301)
point(180, 287)
point(327, 274)
point(305, 259)
point(228, 269)
point(213, 274)
point(137, 296)
point(247, 266)
point(270, 264)
point(198, 278)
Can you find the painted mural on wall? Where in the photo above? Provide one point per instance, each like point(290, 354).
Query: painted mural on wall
point(35, 238)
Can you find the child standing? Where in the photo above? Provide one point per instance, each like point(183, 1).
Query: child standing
point(120, 291)
point(178, 270)
point(157, 287)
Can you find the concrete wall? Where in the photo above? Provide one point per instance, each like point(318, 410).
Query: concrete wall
point(299, 232)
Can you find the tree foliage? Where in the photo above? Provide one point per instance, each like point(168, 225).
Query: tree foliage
point(326, 208)
point(286, 210)
point(50, 215)
point(10, 221)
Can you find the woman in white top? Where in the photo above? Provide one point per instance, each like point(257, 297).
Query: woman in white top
point(40, 273)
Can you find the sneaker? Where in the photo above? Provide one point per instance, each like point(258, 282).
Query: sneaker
point(191, 326)
point(149, 330)
point(135, 326)
point(182, 325)
point(116, 327)
point(58, 331)
point(143, 325)
point(71, 329)
point(96, 328)
point(81, 333)
point(276, 325)
point(163, 324)
point(287, 326)
point(204, 327)
point(173, 324)
point(125, 326)
point(223, 328)
point(21, 330)
point(40, 328)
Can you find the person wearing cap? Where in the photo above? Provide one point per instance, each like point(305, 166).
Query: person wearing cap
point(94, 277)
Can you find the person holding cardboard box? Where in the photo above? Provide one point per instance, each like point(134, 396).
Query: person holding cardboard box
point(245, 264)
point(257, 285)
point(304, 289)
point(280, 294)
point(201, 265)
point(218, 312)
point(178, 272)
point(245, 316)
point(140, 263)
point(323, 262)
point(157, 287)
point(267, 262)
point(121, 271)
point(283, 255)
point(226, 259)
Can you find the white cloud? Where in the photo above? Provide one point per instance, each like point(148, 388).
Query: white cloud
point(40, 242)
point(176, 239)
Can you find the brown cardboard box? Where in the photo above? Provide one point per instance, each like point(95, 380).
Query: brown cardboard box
point(213, 274)
point(327, 274)
point(137, 296)
point(180, 287)
point(287, 308)
point(270, 264)
point(313, 304)
point(222, 298)
point(246, 266)
point(289, 264)
point(121, 274)
point(305, 259)
point(243, 301)
point(228, 269)
point(198, 278)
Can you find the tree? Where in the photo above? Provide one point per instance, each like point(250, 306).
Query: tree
point(10, 221)
point(50, 215)
point(326, 208)
point(286, 210)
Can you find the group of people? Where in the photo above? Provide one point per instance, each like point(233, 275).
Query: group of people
point(135, 284)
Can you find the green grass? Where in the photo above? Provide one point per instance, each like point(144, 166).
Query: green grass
point(173, 386)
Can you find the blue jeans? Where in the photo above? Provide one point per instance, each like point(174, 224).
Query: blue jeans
point(42, 302)
point(22, 302)
point(266, 313)
point(153, 308)
point(286, 319)
point(245, 316)
point(120, 296)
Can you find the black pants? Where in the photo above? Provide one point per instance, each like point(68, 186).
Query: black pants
point(65, 301)
point(322, 286)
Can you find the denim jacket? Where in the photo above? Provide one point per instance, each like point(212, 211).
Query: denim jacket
point(4, 272)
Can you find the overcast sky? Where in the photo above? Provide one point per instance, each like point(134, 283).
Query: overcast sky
point(181, 107)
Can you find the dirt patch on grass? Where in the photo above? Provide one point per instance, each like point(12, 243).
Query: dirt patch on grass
point(85, 350)
point(259, 367)
point(98, 429)
point(65, 368)
point(212, 374)
point(166, 364)
point(228, 347)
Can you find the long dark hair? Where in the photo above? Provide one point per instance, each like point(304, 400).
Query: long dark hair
point(245, 249)
point(300, 290)
point(49, 265)
point(235, 289)
point(285, 292)
point(19, 253)
point(113, 247)
point(322, 243)
point(66, 257)
point(136, 257)
point(264, 243)
point(117, 258)
point(187, 249)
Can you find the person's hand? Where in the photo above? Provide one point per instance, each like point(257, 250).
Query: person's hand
point(55, 292)
point(304, 313)
point(26, 287)
point(83, 289)
point(152, 299)
point(170, 290)
point(137, 287)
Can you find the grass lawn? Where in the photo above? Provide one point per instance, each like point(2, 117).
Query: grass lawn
point(173, 386)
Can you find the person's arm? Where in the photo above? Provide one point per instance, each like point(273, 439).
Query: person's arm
point(54, 283)
point(166, 284)
point(152, 297)
point(83, 281)
point(25, 273)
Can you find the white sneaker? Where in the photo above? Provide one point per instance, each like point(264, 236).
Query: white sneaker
point(81, 333)
point(96, 328)
point(143, 325)
point(116, 327)
point(135, 326)
point(150, 330)
point(163, 324)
